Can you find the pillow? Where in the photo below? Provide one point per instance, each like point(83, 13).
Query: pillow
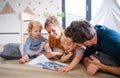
point(11, 51)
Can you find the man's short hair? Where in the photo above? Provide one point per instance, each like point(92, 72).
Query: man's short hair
point(80, 31)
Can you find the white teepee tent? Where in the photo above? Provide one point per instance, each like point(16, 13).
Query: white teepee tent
point(108, 14)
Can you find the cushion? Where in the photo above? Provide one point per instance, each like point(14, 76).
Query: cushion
point(11, 51)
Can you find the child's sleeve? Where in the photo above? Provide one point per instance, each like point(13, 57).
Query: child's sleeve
point(47, 45)
point(44, 39)
point(26, 49)
point(80, 51)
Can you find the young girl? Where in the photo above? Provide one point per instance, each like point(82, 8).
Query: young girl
point(55, 32)
point(35, 43)
point(73, 51)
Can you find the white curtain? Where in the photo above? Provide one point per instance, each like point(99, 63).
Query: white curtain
point(108, 14)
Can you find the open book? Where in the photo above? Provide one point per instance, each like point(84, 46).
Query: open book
point(43, 62)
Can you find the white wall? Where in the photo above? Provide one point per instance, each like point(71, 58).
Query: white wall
point(75, 10)
point(10, 23)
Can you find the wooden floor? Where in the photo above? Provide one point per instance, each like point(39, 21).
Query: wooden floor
point(11, 69)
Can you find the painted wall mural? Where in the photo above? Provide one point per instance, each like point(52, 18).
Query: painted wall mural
point(35, 7)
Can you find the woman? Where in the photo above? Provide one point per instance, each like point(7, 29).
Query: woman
point(55, 32)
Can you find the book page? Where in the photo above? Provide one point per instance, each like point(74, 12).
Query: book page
point(40, 59)
point(43, 62)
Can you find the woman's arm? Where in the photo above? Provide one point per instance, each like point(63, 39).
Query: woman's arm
point(47, 47)
point(49, 53)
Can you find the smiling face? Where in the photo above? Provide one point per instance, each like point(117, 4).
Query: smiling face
point(69, 46)
point(52, 26)
point(67, 43)
point(35, 32)
point(54, 31)
point(34, 29)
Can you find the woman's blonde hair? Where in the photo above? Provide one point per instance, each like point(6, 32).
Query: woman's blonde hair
point(52, 20)
point(32, 24)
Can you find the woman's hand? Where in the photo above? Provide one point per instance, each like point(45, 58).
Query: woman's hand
point(48, 54)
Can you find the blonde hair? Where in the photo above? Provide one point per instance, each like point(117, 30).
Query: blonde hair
point(32, 24)
point(65, 39)
point(52, 20)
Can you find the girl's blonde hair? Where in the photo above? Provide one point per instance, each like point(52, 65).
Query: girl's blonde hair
point(65, 39)
point(32, 24)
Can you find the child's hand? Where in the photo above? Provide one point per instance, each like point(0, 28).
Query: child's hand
point(48, 54)
point(40, 54)
point(24, 59)
point(64, 69)
point(70, 53)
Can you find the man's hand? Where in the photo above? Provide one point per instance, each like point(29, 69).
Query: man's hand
point(93, 66)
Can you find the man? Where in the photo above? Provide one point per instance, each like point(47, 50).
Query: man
point(102, 46)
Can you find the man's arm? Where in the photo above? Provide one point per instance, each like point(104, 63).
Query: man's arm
point(101, 67)
point(110, 69)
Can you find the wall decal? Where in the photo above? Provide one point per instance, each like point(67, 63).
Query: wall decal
point(7, 9)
